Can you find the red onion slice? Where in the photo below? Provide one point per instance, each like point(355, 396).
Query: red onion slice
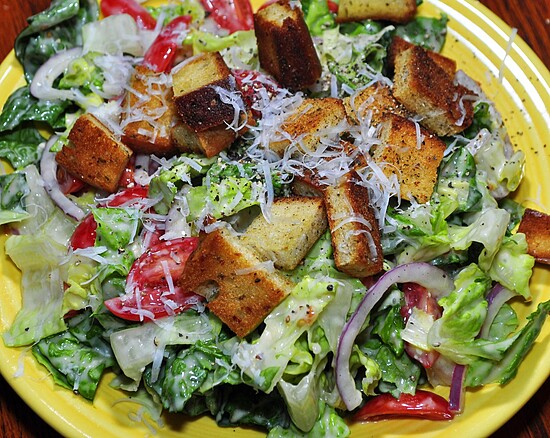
point(42, 84)
point(495, 298)
point(48, 170)
point(434, 279)
point(456, 395)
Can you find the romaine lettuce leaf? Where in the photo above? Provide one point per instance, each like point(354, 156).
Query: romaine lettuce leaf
point(13, 190)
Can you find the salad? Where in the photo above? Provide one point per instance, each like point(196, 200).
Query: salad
point(101, 268)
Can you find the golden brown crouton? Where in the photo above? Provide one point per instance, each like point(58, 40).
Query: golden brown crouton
point(196, 94)
point(245, 289)
point(415, 162)
point(149, 113)
point(311, 121)
point(353, 227)
point(295, 224)
point(285, 47)
point(210, 142)
point(399, 11)
point(93, 154)
point(399, 45)
point(536, 227)
point(426, 90)
point(373, 102)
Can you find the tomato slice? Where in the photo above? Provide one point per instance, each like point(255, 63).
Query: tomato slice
point(332, 6)
point(152, 292)
point(131, 7)
point(161, 54)
point(251, 83)
point(126, 196)
point(419, 297)
point(85, 233)
point(423, 404)
point(67, 182)
point(232, 15)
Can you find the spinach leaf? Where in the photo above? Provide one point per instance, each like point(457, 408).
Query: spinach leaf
point(22, 107)
point(20, 147)
point(56, 29)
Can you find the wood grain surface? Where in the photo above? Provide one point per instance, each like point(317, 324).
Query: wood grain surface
point(530, 17)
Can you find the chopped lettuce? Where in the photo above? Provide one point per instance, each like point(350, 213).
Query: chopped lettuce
point(427, 32)
point(13, 189)
point(263, 361)
point(317, 16)
point(137, 347)
point(483, 371)
point(76, 357)
point(329, 424)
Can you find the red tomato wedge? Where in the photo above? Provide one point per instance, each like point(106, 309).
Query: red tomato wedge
point(423, 404)
point(131, 7)
point(232, 15)
point(125, 197)
point(67, 182)
point(85, 233)
point(419, 297)
point(151, 281)
point(252, 83)
point(161, 54)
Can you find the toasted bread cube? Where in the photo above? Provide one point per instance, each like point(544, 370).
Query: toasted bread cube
point(415, 160)
point(196, 95)
point(399, 11)
point(426, 90)
point(285, 47)
point(148, 113)
point(399, 45)
point(372, 104)
point(307, 184)
point(209, 143)
point(311, 121)
point(240, 289)
point(295, 224)
point(93, 154)
point(353, 227)
point(536, 227)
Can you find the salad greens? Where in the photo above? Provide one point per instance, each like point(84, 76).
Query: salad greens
point(85, 279)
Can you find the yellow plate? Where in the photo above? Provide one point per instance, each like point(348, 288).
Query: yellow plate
point(478, 40)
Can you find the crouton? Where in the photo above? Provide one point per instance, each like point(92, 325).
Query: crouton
point(353, 228)
point(399, 11)
point(240, 289)
point(536, 227)
point(209, 143)
point(93, 154)
point(295, 224)
point(197, 85)
point(285, 47)
point(399, 45)
point(372, 104)
point(415, 160)
point(149, 113)
point(426, 90)
point(312, 120)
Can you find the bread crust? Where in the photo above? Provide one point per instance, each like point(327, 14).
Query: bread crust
point(426, 90)
point(356, 242)
point(93, 154)
point(536, 227)
point(285, 47)
point(415, 162)
point(246, 290)
point(148, 98)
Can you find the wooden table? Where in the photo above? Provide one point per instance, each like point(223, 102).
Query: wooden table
point(530, 17)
